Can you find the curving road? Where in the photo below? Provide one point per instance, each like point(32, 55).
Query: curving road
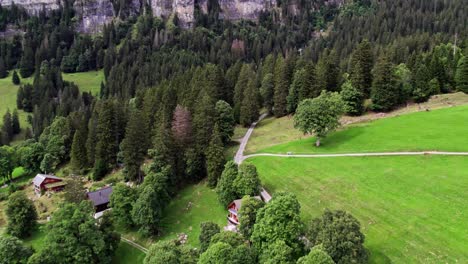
point(240, 152)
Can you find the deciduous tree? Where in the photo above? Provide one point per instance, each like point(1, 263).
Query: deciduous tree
point(13, 251)
point(248, 214)
point(21, 214)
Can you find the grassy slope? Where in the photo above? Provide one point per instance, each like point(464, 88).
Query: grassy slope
point(434, 130)
point(191, 207)
point(412, 209)
point(86, 81)
point(271, 132)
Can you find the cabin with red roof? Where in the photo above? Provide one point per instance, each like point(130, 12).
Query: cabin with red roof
point(44, 182)
point(233, 209)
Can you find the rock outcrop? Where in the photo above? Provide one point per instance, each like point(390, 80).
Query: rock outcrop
point(93, 14)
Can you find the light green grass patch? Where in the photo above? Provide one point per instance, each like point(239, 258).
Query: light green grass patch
point(8, 92)
point(412, 209)
point(86, 81)
point(192, 206)
point(36, 240)
point(126, 254)
point(440, 130)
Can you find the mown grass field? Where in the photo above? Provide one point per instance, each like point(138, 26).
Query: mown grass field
point(442, 130)
point(412, 209)
point(86, 81)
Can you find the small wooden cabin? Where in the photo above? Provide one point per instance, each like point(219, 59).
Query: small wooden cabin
point(44, 182)
point(100, 198)
point(233, 209)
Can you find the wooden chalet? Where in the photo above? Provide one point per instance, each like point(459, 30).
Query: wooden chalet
point(100, 199)
point(233, 209)
point(44, 182)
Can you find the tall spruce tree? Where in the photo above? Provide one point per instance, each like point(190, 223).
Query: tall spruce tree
point(461, 76)
point(421, 88)
point(245, 76)
point(296, 87)
point(79, 155)
point(7, 128)
point(250, 107)
point(328, 71)
point(27, 60)
point(135, 145)
point(15, 78)
point(225, 120)
point(215, 158)
point(310, 89)
point(361, 68)
point(3, 69)
point(15, 124)
point(267, 91)
point(107, 146)
point(283, 75)
point(385, 91)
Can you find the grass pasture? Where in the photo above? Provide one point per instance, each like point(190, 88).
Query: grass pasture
point(412, 209)
point(192, 206)
point(86, 81)
point(441, 130)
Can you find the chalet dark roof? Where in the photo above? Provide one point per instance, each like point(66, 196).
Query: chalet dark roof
point(40, 178)
point(238, 202)
point(101, 196)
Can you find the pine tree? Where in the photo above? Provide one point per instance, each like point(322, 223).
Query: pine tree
point(296, 87)
point(3, 69)
point(15, 78)
point(361, 68)
point(421, 88)
point(225, 187)
point(328, 72)
point(461, 76)
point(282, 81)
point(385, 91)
point(245, 76)
point(78, 155)
point(7, 129)
point(15, 124)
point(310, 88)
point(267, 91)
point(250, 108)
point(225, 120)
point(203, 121)
point(215, 158)
point(134, 145)
point(107, 146)
point(27, 60)
point(91, 139)
point(353, 98)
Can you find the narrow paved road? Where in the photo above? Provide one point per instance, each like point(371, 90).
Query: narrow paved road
point(371, 154)
point(240, 152)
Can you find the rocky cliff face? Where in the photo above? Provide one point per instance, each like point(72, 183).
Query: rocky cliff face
point(93, 14)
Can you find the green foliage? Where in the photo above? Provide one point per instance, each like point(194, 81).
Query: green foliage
point(245, 76)
point(15, 78)
point(277, 253)
point(267, 91)
point(148, 209)
point(7, 162)
point(328, 71)
point(27, 60)
point(353, 99)
point(225, 188)
point(15, 123)
point(361, 68)
point(107, 146)
point(215, 158)
point(134, 146)
point(316, 256)
point(3, 70)
point(422, 90)
point(283, 76)
point(279, 220)
point(385, 93)
point(78, 153)
point(225, 120)
point(233, 239)
point(21, 214)
point(13, 251)
point(320, 115)
point(208, 230)
point(74, 190)
point(74, 236)
point(247, 181)
point(461, 76)
point(168, 252)
point(121, 201)
point(294, 90)
point(250, 108)
point(248, 215)
point(224, 253)
point(339, 234)
point(6, 129)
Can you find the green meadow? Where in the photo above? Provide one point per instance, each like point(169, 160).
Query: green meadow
point(412, 209)
point(442, 130)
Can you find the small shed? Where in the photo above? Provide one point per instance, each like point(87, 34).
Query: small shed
point(44, 182)
point(100, 198)
point(233, 209)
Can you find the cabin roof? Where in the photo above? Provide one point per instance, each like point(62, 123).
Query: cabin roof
point(101, 196)
point(40, 178)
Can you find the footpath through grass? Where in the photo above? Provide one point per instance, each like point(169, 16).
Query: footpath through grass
point(412, 209)
point(441, 130)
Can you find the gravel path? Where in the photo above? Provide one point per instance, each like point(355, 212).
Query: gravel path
point(138, 246)
point(240, 152)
